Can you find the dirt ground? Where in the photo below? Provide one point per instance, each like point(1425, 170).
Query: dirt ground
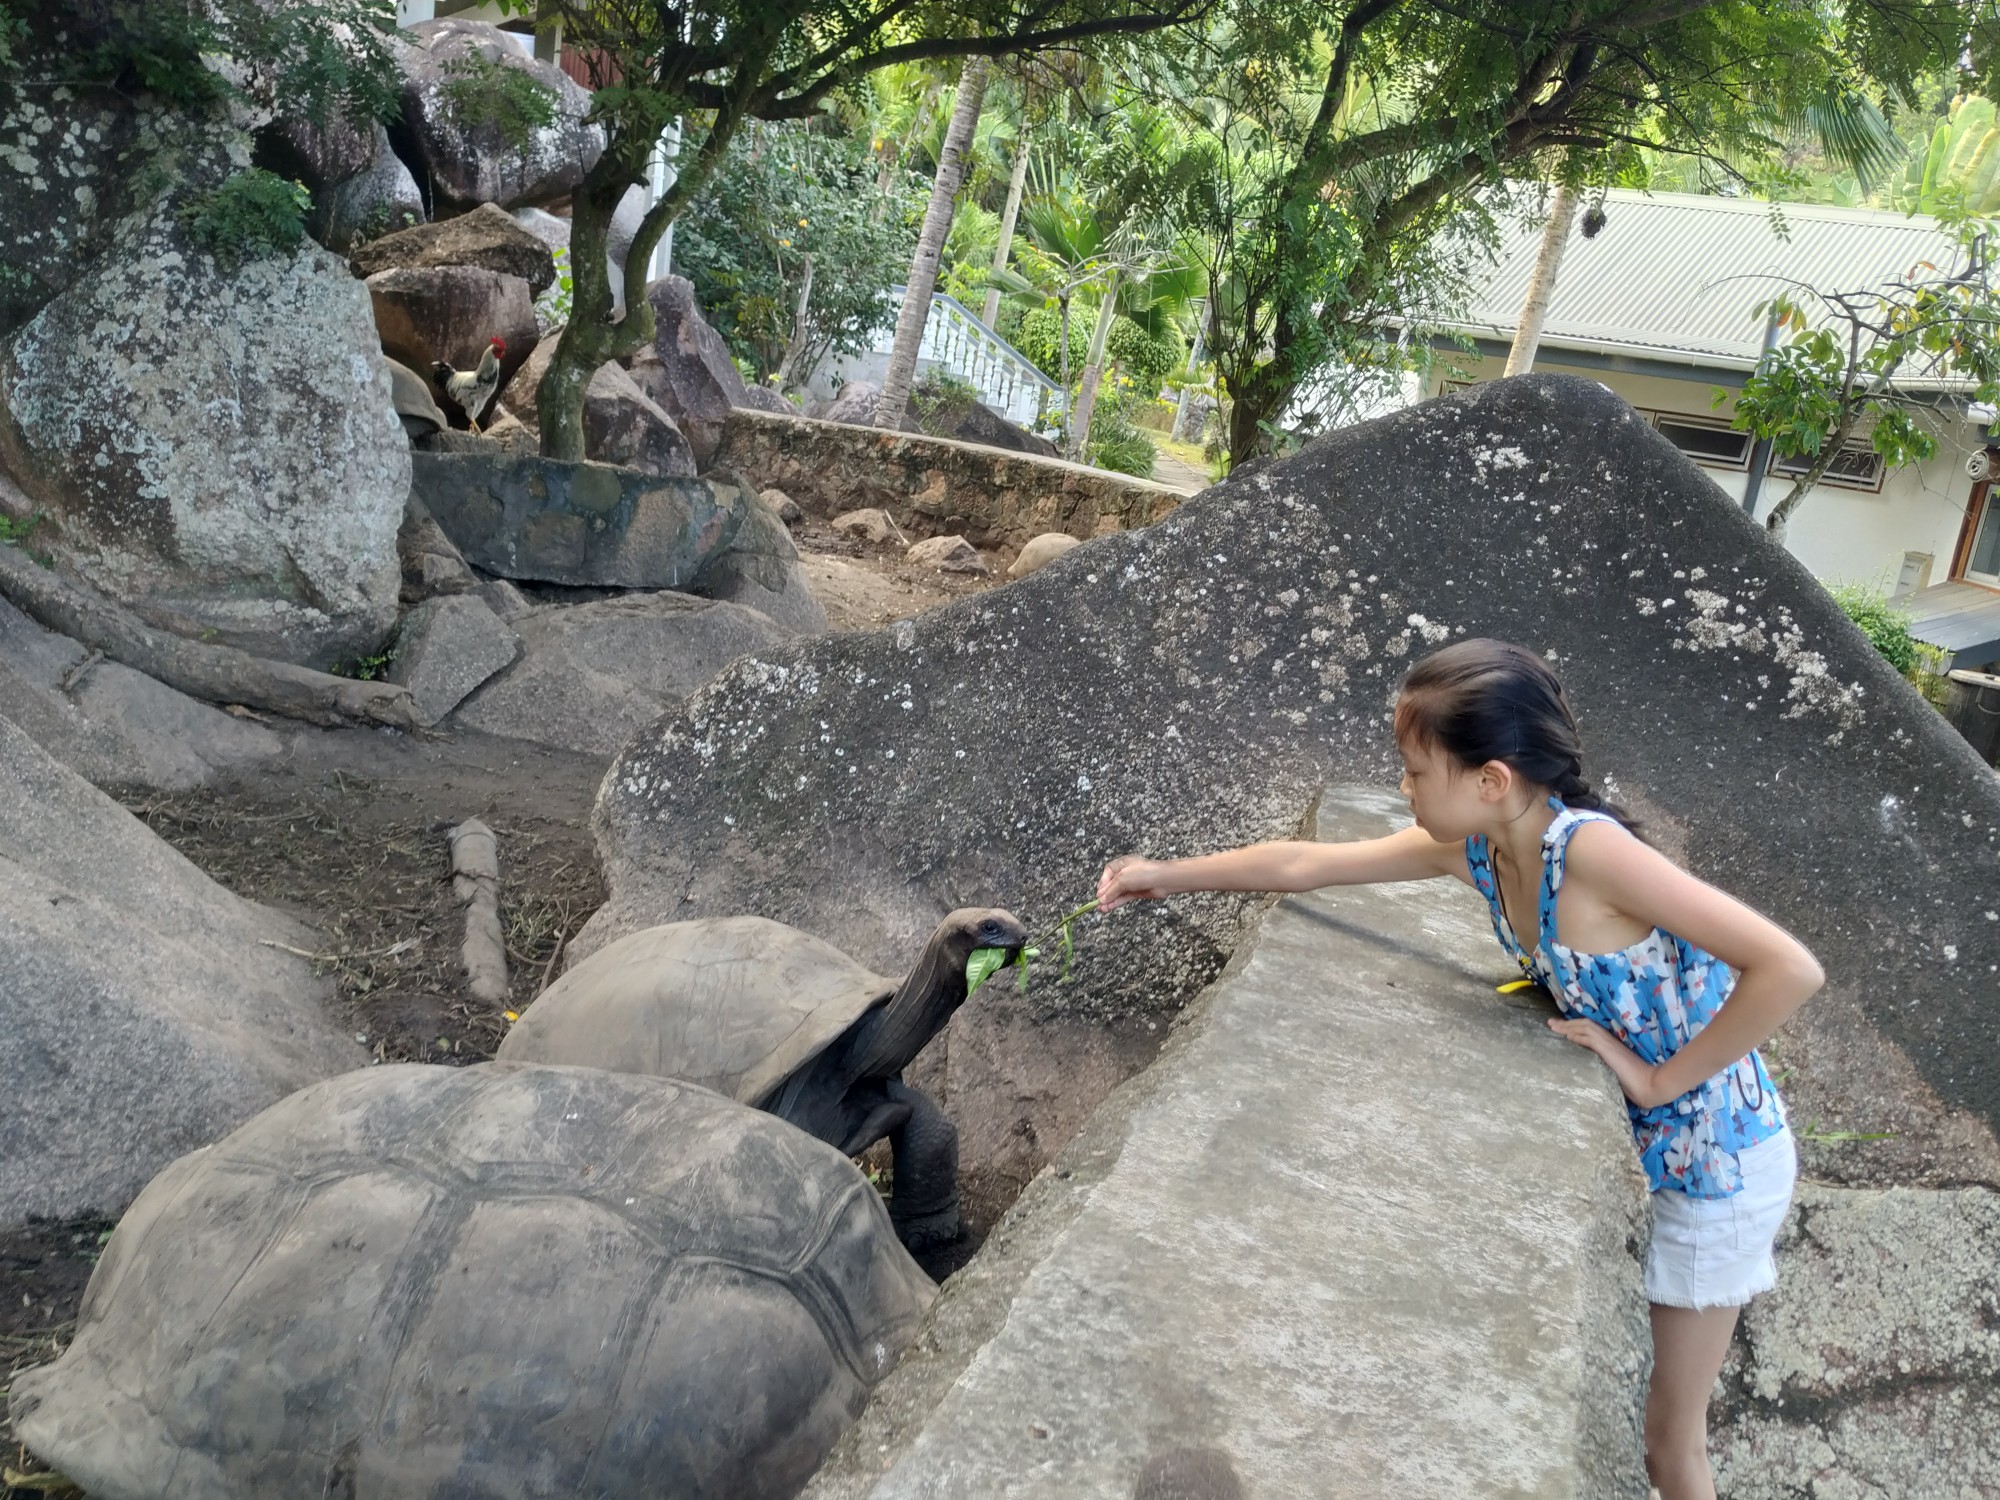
point(348, 834)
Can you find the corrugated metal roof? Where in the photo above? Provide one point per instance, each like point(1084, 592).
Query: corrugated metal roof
point(1675, 276)
point(1962, 618)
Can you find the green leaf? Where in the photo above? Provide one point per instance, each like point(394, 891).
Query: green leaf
point(979, 967)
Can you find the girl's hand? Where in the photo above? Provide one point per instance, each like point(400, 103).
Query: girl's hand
point(1129, 878)
point(1637, 1077)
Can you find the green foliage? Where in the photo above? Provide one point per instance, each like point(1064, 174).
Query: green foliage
point(981, 965)
point(322, 59)
point(1958, 171)
point(939, 394)
point(483, 93)
point(1888, 630)
point(1875, 355)
point(790, 204)
point(253, 214)
point(1118, 443)
point(13, 532)
point(1148, 359)
point(559, 296)
point(1040, 338)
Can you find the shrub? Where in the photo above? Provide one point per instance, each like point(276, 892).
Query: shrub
point(1118, 443)
point(1888, 631)
point(1149, 359)
point(480, 91)
point(1040, 338)
point(253, 214)
point(941, 395)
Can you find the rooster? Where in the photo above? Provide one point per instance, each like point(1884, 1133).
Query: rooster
point(473, 389)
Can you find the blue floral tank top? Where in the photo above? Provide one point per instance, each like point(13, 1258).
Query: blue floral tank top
point(1652, 996)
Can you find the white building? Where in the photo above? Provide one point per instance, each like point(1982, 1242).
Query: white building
point(1661, 308)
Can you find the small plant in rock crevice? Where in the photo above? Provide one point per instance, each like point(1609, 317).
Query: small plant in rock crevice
point(253, 214)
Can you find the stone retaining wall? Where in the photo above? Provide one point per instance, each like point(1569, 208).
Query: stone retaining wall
point(933, 486)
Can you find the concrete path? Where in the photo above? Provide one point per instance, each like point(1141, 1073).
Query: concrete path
point(1366, 1229)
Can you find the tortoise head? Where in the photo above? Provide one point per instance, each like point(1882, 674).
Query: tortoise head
point(935, 987)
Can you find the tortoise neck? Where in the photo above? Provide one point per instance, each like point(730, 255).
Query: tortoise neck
point(915, 1013)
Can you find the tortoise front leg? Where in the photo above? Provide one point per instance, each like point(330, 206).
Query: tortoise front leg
point(924, 1207)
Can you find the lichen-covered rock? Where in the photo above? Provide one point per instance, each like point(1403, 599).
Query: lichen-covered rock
point(621, 424)
point(1193, 685)
point(144, 1010)
point(469, 163)
point(317, 154)
point(547, 520)
point(379, 199)
point(487, 237)
point(429, 313)
point(1874, 1368)
point(67, 163)
point(215, 446)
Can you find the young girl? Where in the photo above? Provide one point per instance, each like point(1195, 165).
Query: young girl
point(1638, 955)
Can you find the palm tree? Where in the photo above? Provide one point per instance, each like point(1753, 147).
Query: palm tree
point(902, 371)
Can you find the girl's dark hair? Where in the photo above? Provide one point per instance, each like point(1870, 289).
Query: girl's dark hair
point(1482, 700)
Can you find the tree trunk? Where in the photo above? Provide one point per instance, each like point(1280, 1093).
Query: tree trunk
point(795, 347)
point(1093, 369)
point(897, 379)
point(1542, 284)
point(590, 337)
point(219, 674)
point(1007, 218)
point(1179, 432)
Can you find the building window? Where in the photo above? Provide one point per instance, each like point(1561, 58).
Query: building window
point(1856, 467)
point(1711, 444)
point(1982, 562)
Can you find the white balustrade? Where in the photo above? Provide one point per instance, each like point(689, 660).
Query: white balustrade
point(957, 342)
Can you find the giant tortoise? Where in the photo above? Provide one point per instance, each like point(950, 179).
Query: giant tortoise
point(496, 1282)
point(779, 1020)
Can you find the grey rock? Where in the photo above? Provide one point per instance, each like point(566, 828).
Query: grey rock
point(510, 432)
point(447, 647)
point(506, 601)
point(470, 165)
point(593, 675)
point(1877, 1359)
point(487, 237)
point(868, 525)
point(577, 1282)
point(1156, 1278)
point(1040, 551)
point(430, 313)
point(687, 369)
point(854, 404)
point(382, 198)
point(238, 467)
point(948, 554)
point(551, 229)
point(1119, 697)
point(65, 180)
point(761, 570)
point(316, 154)
point(967, 421)
point(142, 1011)
point(114, 726)
point(545, 520)
point(621, 424)
point(782, 505)
point(763, 398)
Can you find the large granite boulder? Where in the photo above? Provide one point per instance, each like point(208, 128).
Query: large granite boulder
point(1874, 1368)
point(687, 369)
point(1193, 685)
point(470, 160)
point(968, 420)
point(429, 313)
point(545, 520)
point(215, 446)
point(380, 199)
point(144, 1011)
point(621, 424)
point(593, 675)
point(445, 648)
point(487, 237)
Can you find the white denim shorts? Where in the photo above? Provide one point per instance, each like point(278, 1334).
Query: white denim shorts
point(1716, 1252)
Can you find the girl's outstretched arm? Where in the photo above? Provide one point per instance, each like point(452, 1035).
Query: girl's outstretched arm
point(1776, 974)
point(1287, 865)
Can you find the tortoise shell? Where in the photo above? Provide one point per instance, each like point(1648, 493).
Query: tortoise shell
point(736, 1004)
point(498, 1281)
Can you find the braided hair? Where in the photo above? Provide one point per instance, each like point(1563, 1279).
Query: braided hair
point(1483, 700)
